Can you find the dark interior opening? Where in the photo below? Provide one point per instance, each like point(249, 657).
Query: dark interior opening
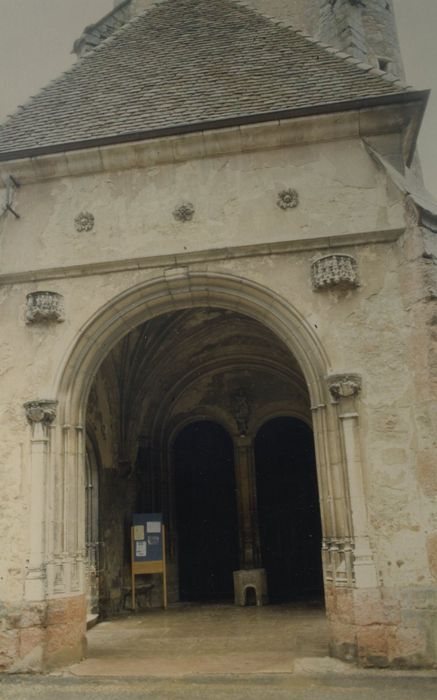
point(288, 507)
point(206, 512)
point(250, 596)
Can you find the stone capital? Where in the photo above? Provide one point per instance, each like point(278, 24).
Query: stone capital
point(344, 386)
point(41, 411)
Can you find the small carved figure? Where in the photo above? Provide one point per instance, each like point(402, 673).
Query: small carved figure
point(241, 410)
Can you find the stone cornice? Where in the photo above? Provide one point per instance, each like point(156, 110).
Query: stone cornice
point(299, 130)
point(212, 255)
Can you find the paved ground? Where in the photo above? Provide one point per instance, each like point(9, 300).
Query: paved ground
point(217, 653)
point(206, 639)
point(270, 687)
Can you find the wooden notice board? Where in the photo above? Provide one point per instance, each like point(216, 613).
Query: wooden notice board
point(148, 550)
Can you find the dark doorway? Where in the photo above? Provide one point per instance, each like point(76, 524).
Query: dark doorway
point(288, 507)
point(207, 523)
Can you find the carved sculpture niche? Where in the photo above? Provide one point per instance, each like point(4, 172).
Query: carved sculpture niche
point(44, 307)
point(337, 271)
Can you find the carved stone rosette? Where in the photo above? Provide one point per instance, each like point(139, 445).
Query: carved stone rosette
point(288, 199)
point(41, 411)
point(84, 221)
point(337, 271)
point(343, 386)
point(44, 306)
point(184, 213)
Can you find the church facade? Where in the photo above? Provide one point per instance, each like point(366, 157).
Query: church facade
point(213, 241)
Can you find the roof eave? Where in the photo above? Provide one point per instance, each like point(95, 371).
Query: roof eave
point(416, 100)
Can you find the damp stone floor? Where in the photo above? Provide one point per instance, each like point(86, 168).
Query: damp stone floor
point(189, 640)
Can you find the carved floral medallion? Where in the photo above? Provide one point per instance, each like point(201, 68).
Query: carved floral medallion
point(288, 199)
point(84, 221)
point(184, 212)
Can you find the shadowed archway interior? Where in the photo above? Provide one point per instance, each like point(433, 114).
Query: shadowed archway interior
point(288, 509)
point(206, 512)
point(173, 412)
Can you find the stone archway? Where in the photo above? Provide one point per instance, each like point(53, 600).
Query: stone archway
point(347, 558)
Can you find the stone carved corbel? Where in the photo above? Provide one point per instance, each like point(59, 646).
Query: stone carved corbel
point(344, 386)
point(337, 271)
point(44, 307)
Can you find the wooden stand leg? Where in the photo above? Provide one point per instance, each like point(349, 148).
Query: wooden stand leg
point(133, 601)
point(164, 570)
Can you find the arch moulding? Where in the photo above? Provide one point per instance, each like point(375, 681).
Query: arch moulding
point(179, 291)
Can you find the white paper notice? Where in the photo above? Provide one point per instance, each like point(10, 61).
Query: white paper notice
point(141, 549)
point(139, 532)
point(154, 527)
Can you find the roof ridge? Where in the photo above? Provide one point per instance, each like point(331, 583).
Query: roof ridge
point(329, 48)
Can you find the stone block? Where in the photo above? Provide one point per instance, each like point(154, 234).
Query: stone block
point(373, 645)
point(9, 642)
point(427, 472)
point(431, 548)
point(407, 642)
point(344, 605)
point(368, 607)
point(31, 638)
point(33, 616)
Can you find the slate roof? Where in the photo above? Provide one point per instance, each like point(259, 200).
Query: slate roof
point(180, 65)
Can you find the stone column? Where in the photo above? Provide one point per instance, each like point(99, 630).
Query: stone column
point(40, 415)
point(72, 577)
point(250, 550)
point(344, 390)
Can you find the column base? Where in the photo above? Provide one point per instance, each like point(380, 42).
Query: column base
point(383, 628)
point(41, 636)
point(250, 582)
